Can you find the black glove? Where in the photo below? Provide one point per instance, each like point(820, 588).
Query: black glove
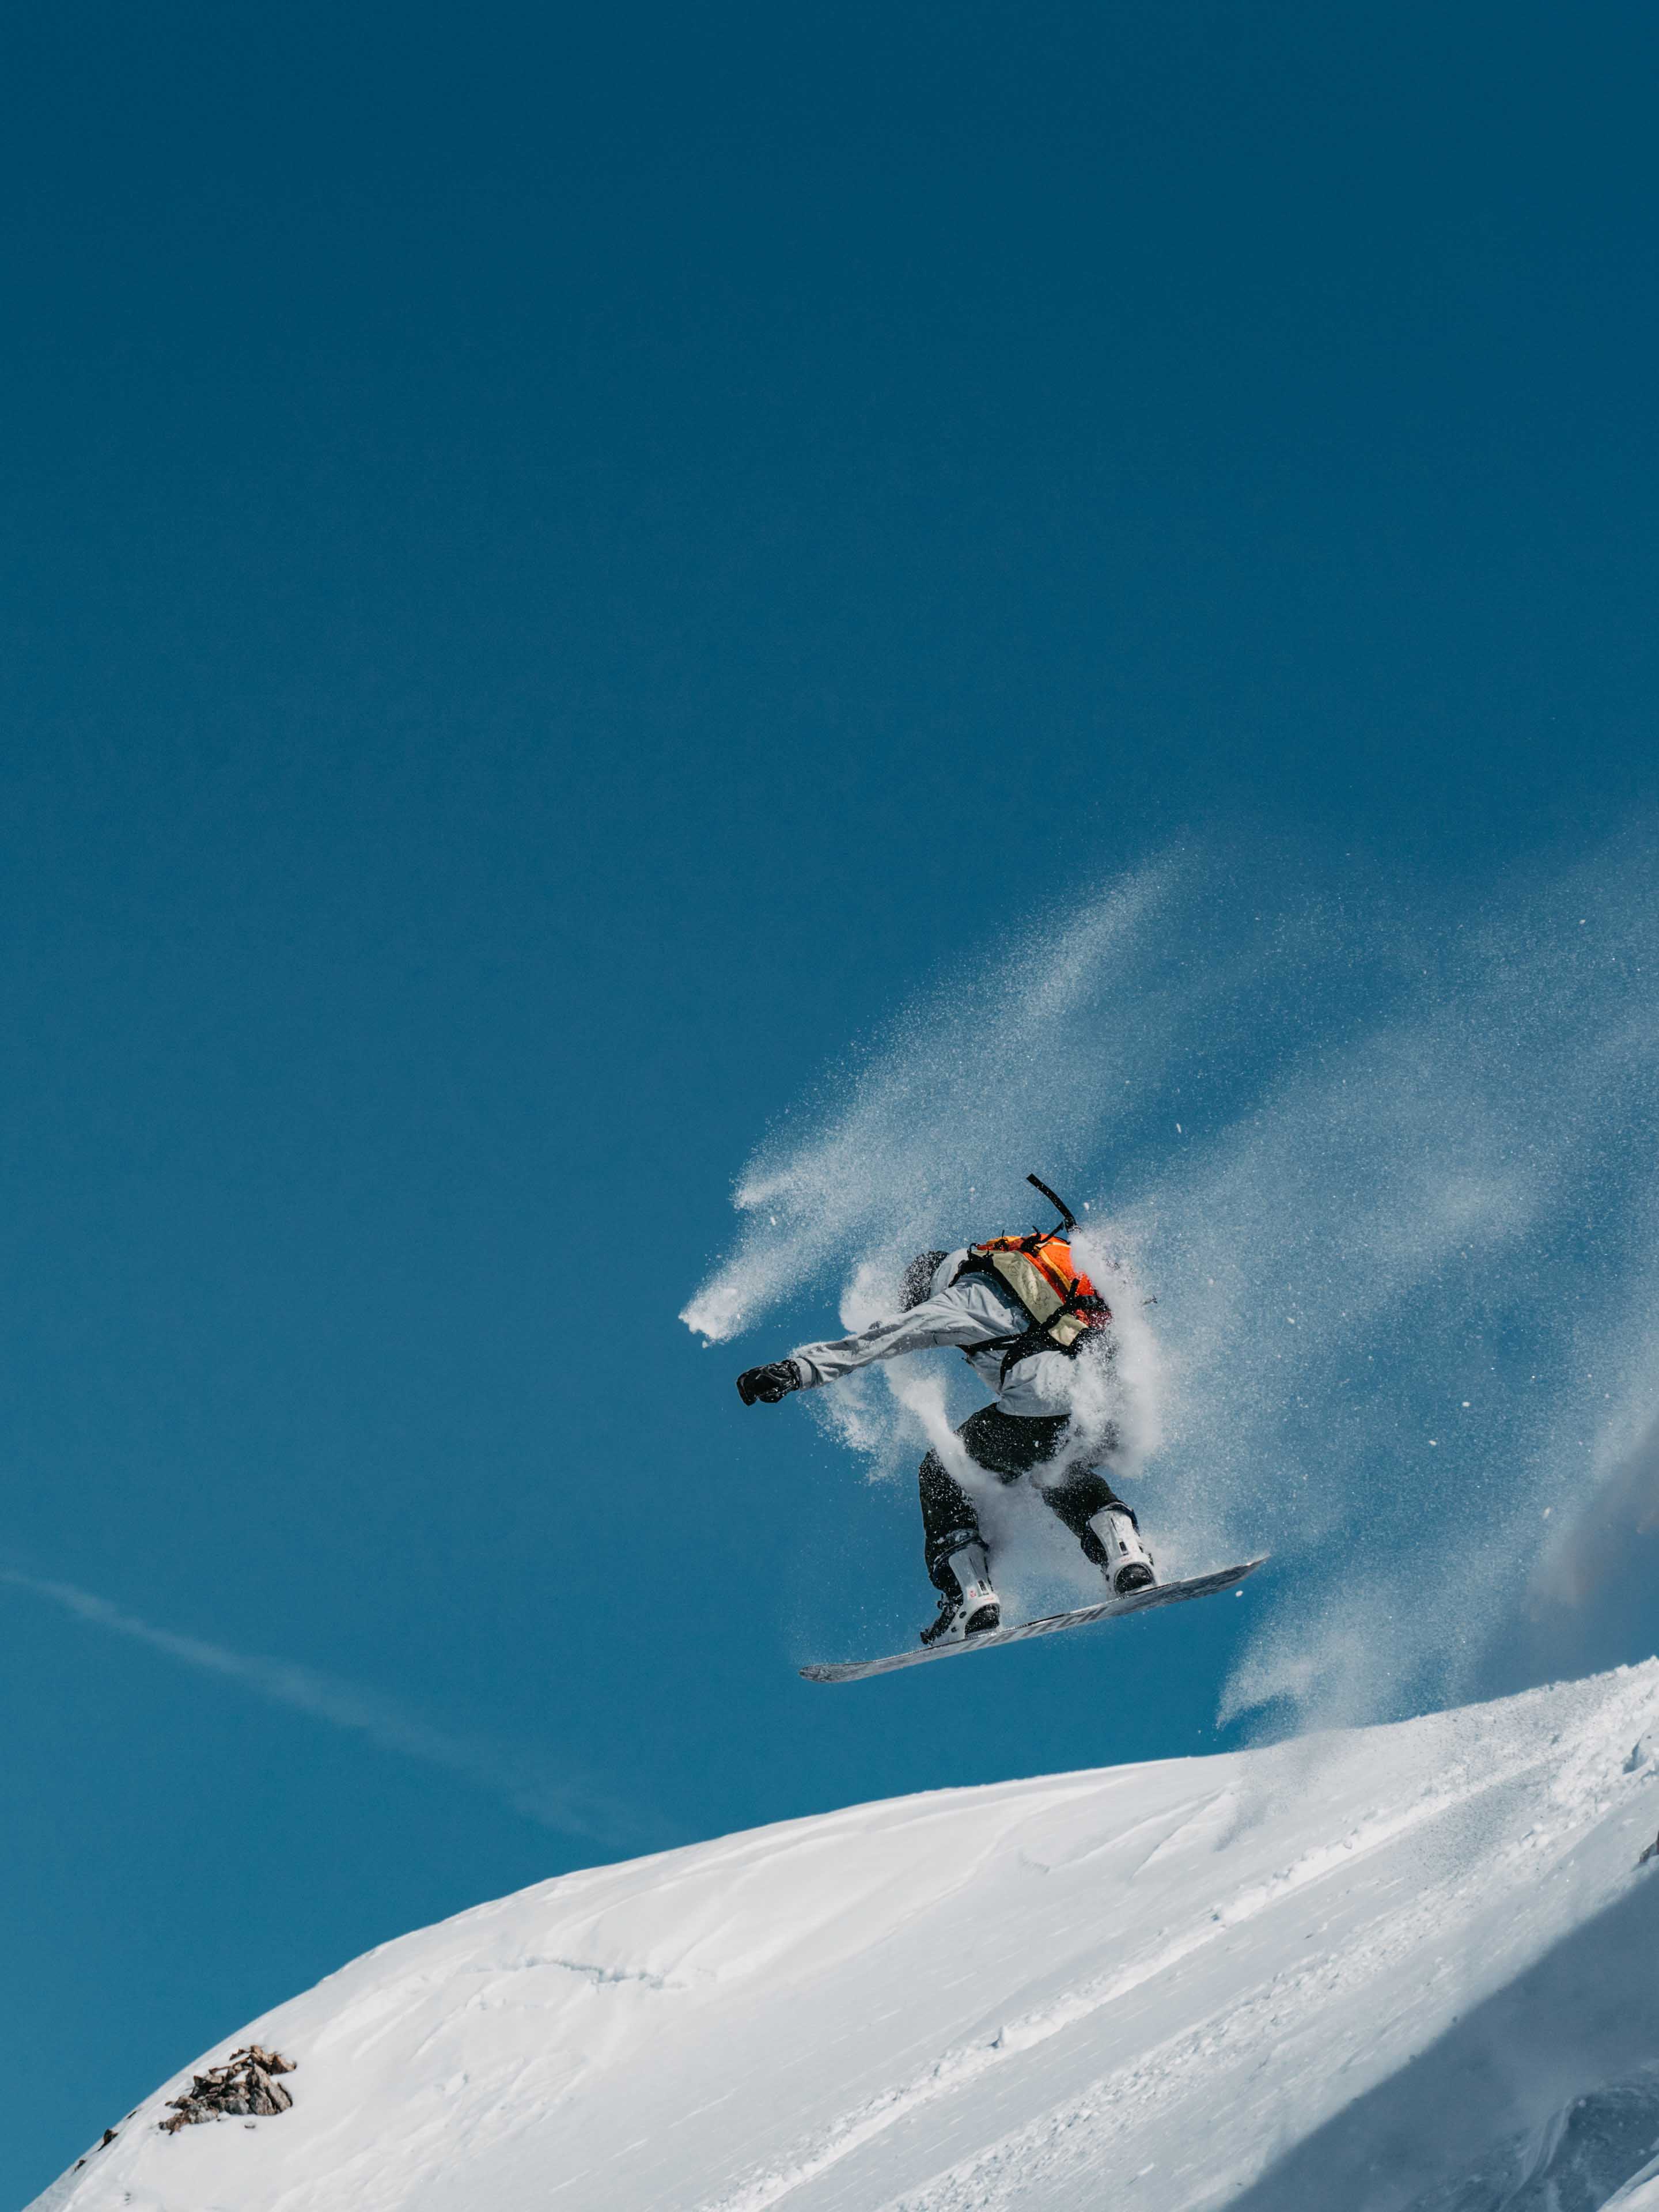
point(768, 1384)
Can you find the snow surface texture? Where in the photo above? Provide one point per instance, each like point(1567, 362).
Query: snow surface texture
point(1409, 1966)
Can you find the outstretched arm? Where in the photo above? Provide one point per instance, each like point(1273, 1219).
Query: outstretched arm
point(956, 1316)
point(970, 1312)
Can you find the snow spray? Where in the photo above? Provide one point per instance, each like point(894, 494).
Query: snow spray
point(1389, 1164)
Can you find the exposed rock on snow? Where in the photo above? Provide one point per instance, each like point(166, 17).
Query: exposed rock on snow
point(244, 2084)
point(1337, 1975)
point(102, 2143)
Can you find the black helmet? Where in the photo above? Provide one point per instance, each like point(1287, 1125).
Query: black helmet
point(918, 1279)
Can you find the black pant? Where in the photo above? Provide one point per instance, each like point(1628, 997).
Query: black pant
point(1008, 1445)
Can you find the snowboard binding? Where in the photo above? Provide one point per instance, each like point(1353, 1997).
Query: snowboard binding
point(968, 1605)
point(1113, 1544)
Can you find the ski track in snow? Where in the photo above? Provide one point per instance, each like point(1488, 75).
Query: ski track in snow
point(975, 2001)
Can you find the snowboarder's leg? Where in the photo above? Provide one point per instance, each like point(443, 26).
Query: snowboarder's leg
point(1103, 1525)
point(1008, 1445)
point(1078, 1494)
point(948, 1517)
point(957, 1565)
point(1003, 1447)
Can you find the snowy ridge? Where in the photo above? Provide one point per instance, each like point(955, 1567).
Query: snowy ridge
point(1174, 1975)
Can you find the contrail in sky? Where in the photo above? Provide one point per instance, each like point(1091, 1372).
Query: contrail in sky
point(519, 1781)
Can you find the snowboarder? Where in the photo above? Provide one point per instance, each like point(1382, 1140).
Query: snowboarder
point(1031, 1326)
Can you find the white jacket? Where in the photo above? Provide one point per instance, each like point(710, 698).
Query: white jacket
point(974, 1311)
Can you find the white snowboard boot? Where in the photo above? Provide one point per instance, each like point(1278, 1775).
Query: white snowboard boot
point(968, 1605)
point(1126, 1562)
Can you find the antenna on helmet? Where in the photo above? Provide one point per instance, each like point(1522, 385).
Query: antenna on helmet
point(1067, 1218)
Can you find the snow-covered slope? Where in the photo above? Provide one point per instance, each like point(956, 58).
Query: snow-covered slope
point(1346, 1971)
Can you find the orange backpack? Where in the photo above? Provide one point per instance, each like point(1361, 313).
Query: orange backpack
point(1063, 1304)
point(1061, 1301)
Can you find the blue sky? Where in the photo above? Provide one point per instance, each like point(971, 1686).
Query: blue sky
point(573, 587)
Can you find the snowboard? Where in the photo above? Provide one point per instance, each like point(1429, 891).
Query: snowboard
point(855, 1670)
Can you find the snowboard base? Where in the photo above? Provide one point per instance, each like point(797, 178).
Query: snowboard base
point(854, 1670)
